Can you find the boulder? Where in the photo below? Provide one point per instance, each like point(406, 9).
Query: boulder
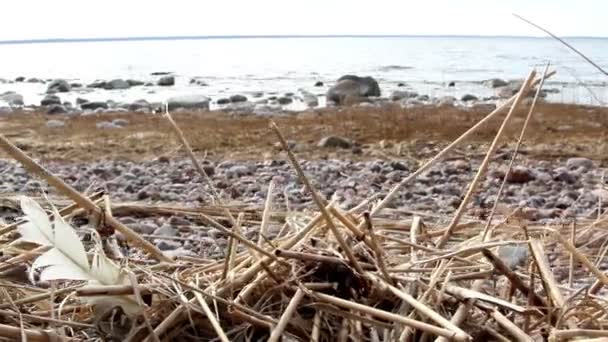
point(402, 94)
point(76, 85)
point(446, 101)
point(49, 100)
point(55, 124)
point(334, 141)
point(189, 102)
point(93, 105)
point(351, 86)
point(117, 84)
point(166, 81)
point(12, 98)
point(495, 83)
point(238, 98)
point(222, 101)
point(139, 104)
point(34, 80)
point(20, 79)
point(451, 84)
point(469, 97)
point(318, 84)
point(98, 84)
point(56, 109)
point(58, 86)
point(135, 83)
point(309, 99)
point(283, 100)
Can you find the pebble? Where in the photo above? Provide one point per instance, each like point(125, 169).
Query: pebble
point(55, 124)
point(334, 141)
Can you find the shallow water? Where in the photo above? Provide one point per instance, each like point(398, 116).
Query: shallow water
point(279, 65)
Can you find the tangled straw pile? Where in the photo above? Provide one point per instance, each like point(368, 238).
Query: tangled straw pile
point(329, 275)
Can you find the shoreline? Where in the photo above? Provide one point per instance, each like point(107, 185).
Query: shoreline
point(290, 95)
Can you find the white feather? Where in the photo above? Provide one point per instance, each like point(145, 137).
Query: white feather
point(67, 259)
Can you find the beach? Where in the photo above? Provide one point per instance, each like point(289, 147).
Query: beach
point(262, 194)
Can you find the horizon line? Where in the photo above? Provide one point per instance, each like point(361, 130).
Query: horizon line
point(268, 36)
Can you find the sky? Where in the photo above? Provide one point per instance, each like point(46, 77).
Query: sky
point(40, 19)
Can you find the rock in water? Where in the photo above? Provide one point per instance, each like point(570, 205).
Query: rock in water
point(117, 84)
point(469, 97)
point(50, 100)
point(309, 99)
point(318, 84)
point(189, 102)
point(166, 81)
point(402, 94)
point(58, 86)
point(12, 98)
point(94, 105)
point(238, 98)
point(334, 141)
point(56, 109)
point(353, 87)
point(495, 83)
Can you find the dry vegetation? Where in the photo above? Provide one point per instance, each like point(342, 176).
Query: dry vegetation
point(556, 130)
point(329, 275)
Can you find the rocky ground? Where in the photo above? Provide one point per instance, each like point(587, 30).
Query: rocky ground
point(350, 154)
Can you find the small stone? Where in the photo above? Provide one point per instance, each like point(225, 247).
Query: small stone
point(222, 101)
point(334, 141)
point(579, 162)
point(318, 84)
point(513, 256)
point(165, 230)
point(120, 122)
point(106, 125)
point(165, 245)
point(520, 174)
point(55, 124)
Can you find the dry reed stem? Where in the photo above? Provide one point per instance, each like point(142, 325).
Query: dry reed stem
point(316, 327)
point(199, 168)
point(424, 310)
point(515, 280)
point(31, 335)
point(515, 151)
point(214, 322)
point(84, 202)
point(317, 199)
point(389, 316)
point(547, 277)
point(577, 333)
point(266, 214)
point(602, 279)
point(284, 320)
point(231, 246)
point(378, 252)
point(510, 327)
point(573, 242)
point(486, 161)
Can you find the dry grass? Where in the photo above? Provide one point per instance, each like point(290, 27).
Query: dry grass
point(557, 131)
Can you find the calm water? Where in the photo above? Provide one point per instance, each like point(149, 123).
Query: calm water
point(230, 66)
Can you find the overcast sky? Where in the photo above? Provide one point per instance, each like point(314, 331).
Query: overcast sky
point(36, 19)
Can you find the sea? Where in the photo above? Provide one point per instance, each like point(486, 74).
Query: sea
point(276, 65)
